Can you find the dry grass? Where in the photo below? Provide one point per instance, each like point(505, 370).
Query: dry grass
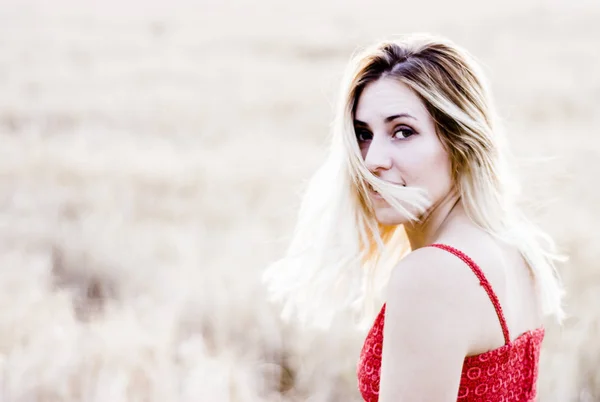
point(150, 161)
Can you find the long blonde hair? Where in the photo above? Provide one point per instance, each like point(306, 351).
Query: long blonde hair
point(340, 258)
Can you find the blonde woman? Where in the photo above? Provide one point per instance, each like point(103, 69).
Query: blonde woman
point(414, 212)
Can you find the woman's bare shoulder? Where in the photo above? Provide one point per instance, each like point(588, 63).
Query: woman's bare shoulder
point(431, 267)
point(436, 291)
point(426, 333)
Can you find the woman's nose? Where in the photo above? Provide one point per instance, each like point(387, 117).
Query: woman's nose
point(378, 155)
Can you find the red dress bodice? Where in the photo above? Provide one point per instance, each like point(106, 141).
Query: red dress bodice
point(505, 374)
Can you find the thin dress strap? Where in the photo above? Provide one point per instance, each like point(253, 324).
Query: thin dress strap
point(483, 281)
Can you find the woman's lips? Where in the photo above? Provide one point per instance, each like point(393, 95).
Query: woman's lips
point(375, 194)
point(378, 196)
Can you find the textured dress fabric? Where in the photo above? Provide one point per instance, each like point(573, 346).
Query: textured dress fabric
point(505, 374)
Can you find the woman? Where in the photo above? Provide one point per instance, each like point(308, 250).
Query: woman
point(418, 196)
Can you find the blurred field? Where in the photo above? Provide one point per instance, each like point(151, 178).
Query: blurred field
point(151, 159)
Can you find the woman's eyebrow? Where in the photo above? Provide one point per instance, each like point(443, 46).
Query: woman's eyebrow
point(397, 116)
point(387, 119)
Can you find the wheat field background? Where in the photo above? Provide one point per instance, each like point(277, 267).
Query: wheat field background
point(152, 155)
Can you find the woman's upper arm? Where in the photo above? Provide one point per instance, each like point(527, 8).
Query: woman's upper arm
point(426, 336)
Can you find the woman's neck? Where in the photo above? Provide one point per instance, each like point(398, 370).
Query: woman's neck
point(425, 231)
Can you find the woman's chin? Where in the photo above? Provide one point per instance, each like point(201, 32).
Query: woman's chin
point(387, 215)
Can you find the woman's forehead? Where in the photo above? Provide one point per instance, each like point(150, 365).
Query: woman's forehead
point(388, 97)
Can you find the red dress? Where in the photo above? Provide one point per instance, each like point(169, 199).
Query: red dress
point(507, 374)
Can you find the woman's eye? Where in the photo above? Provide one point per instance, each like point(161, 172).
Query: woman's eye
point(363, 135)
point(403, 132)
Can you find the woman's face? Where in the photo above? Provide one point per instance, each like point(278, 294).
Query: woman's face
point(399, 144)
